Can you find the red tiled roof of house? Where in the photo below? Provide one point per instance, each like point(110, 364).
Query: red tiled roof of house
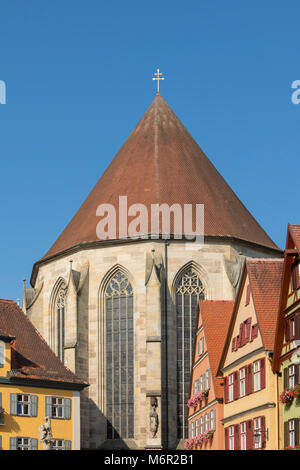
point(295, 233)
point(265, 276)
point(216, 316)
point(31, 357)
point(161, 163)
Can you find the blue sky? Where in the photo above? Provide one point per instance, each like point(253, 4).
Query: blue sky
point(78, 77)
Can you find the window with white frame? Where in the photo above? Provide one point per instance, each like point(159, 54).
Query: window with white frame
point(200, 346)
point(291, 376)
point(207, 422)
point(256, 376)
point(58, 444)
point(230, 387)
point(197, 426)
point(23, 443)
point(206, 385)
point(292, 435)
point(201, 383)
point(202, 424)
point(231, 437)
point(243, 436)
point(242, 382)
point(213, 419)
point(23, 405)
point(193, 429)
point(257, 432)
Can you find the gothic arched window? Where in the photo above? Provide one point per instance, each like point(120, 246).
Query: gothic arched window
point(189, 290)
point(119, 357)
point(60, 323)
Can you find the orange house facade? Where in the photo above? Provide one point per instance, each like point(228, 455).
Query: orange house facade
point(205, 405)
point(250, 386)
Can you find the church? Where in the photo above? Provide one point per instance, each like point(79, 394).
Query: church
point(121, 313)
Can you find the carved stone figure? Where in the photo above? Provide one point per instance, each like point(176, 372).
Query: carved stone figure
point(45, 434)
point(154, 421)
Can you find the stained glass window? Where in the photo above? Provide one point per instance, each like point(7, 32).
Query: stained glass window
point(119, 357)
point(189, 290)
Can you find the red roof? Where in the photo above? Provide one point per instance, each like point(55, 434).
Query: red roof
point(216, 316)
point(161, 163)
point(31, 356)
point(295, 234)
point(265, 277)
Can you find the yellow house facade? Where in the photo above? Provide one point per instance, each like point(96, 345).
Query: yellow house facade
point(34, 385)
point(250, 386)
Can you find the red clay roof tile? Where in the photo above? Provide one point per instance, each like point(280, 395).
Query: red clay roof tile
point(31, 356)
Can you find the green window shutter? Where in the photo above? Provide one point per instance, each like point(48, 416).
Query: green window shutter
point(67, 445)
point(33, 444)
point(48, 403)
point(67, 408)
point(33, 405)
point(0, 442)
point(12, 443)
point(13, 403)
point(0, 399)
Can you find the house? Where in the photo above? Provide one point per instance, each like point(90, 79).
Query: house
point(286, 357)
point(250, 386)
point(205, 406)
point(34, 385)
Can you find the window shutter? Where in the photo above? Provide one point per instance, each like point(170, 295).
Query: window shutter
point(236, 437)
point(241, 335)
point(286, 434)
point(285, 378)
point(233, 344)
point(48, 403)
point(249, 434)
point(248, 329)
point(262, 373)
point(297, 326)
point(0, 399)
point(254, 331)
point(226, 439)
point(297, 367)
point(263, 435)
point(296, 431)
point(33, 405)
point(225, 389)
point(13, 404)
point(248, 295)
point(1, 442)
point(12, 443)
point(249, 379)
point(67, 445)
point(33, 444)
point(235, 385)
point(287, 331)
point(67, 407)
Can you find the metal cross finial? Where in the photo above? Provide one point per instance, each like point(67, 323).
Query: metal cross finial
point(158, 77)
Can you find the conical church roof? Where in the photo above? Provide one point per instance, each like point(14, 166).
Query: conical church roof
point(161, 163)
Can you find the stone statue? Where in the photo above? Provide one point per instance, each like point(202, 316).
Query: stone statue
point(153, 418)
point(45, 434)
